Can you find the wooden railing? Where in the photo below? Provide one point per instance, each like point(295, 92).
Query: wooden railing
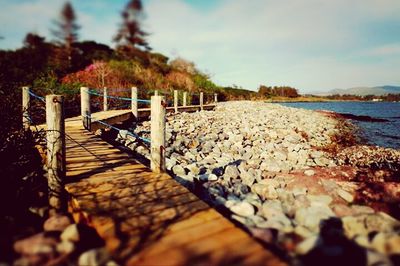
point(55, 130)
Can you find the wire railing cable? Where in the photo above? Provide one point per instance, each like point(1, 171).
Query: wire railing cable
point(37, 96)
point(116, 97)
point(118, 129)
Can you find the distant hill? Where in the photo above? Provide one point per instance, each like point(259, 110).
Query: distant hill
point(379, 90)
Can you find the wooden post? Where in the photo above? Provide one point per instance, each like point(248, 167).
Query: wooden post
point(134, 102)
point(156, 93)
point(176, 100)
point(26, 102)
point(184, 98)
point(85, 107)
point(157, 146)
point(215, 97)
point(105, 103)
point(201, 100)
point(55, 150)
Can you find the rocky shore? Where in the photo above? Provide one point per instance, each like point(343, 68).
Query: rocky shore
point(62, 242)
point(291, 178)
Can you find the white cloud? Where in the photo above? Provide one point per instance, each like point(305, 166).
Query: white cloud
point(20, 17)
point(309, 44)
point(272, 42)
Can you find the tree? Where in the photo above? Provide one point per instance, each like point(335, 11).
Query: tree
point(33, 41)
point(67, 32)
point(130, 36)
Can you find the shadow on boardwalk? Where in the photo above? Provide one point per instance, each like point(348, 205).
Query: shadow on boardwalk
point(147, 218)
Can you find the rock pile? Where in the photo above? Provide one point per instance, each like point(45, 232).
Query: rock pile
point(62, 243)
point(265, 164)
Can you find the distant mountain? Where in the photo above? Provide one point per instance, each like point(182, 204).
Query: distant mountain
point(379, 90)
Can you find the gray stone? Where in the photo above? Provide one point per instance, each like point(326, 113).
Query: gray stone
point(345, 195)
point(309, 172)
point(248, 178)
point(322, 161)
point(265, 191)
point(215, 191)
point(57, 223)
point(231, 172)
point(208, 177)
point(170, 162)
point(354, 225)
point(272, 166)
point(243, 209)
point(71, 234)
point(190, 156)
point(193, 169)
point(65, 247)
point(36, 244)
point(320, 199)
point(376, 258)
point(94, 257)
point(311, 217)
point(178, 170)
point(307, 245)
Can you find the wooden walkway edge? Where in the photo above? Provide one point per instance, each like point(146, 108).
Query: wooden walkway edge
point(147, 218)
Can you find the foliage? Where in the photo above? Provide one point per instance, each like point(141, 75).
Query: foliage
point(283, 91)
point(235, 93)
point(90, 51)
point(183, 65)
point(180, 80)
point(159, 63)
point(202, 82)
point(22, 184)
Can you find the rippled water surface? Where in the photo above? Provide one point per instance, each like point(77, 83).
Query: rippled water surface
point(386, 134)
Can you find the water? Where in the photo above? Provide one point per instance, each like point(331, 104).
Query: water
point(385, 134)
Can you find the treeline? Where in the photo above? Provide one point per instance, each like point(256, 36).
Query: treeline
point(349, 97)
point(282, 91)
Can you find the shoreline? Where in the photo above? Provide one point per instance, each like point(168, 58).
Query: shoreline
point(280, 172)
point(321, 101)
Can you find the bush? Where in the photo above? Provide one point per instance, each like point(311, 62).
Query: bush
point(22, 184)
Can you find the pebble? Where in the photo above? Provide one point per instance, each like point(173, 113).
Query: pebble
point(56, 223)
point(178, 170)
point(243, 209)
point(231, 172)
point(345, 195)
point(65, 247)
point(309, 172)
point(94, 257)
point(307, 245)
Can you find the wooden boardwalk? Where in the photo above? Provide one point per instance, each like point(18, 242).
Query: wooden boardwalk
point(147, 218)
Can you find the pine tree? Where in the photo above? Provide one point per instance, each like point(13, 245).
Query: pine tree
point(130, 35)
point(67, 32)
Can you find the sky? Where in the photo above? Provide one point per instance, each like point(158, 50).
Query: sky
point(312, 45)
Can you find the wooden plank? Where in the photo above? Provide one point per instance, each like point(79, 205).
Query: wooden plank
point(118, 210)
point(140, 183)
point(109, 204)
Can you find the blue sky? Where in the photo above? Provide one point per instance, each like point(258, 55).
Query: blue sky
point(313, 45)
